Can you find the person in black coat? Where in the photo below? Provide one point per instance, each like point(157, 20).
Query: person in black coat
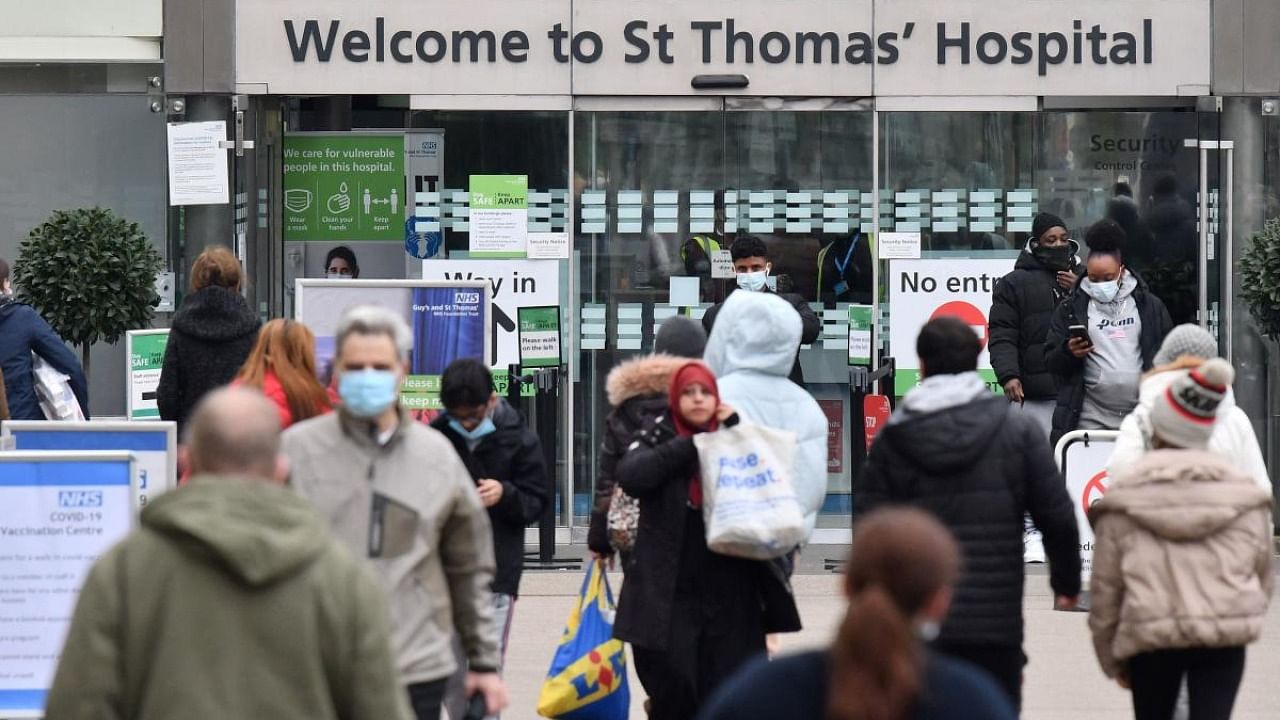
point(1022, 307)
point(1098, 376)
point(692, 616)
point(212, 335)
point(23, 332)
point(503, 456)
point(955, 449)
point(752, 265)
point(898, 582)
point(637, 392)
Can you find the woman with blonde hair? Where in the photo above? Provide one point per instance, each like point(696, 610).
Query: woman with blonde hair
point(282, 365)
point(899, 578)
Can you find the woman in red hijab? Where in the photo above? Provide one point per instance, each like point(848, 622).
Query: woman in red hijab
point(693, 617)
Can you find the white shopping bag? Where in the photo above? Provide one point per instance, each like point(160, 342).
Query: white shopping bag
point(748, 499)
point(53, 391)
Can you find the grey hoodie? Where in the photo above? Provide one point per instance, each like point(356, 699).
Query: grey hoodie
point(1113, 371)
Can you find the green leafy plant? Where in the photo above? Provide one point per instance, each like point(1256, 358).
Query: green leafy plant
point(91, 274)
point(1260, 278)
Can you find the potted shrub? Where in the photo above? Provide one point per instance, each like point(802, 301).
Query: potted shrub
point(91, 274)
point(1260, 278)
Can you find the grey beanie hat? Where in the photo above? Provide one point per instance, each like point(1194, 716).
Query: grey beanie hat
point(680, 336)
point(1186, 339)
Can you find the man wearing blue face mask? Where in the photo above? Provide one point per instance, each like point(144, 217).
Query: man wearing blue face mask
point(505, 460)
point(753, 267)
point(395, 492)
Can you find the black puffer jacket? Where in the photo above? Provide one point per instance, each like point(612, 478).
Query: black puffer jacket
point(656, 470)
point(1068, 370)
point(1021, 308)
point(637, 392)
point(212, 335)
point(512, 455)
point(978, 467)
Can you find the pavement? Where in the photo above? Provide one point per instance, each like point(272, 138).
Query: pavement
point(1063, 681)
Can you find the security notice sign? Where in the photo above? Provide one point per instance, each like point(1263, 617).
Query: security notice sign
point(539, 336)
point(499, 223)
point(145, 350)
point(920, 290)
point(344, 188)
point(58, 513)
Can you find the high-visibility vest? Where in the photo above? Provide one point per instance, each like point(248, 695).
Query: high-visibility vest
point(706, 243)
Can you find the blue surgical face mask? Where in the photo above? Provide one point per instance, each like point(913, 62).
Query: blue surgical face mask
point(1104, 292)
point(485, 427)
point(368, 393)
point(753, 281)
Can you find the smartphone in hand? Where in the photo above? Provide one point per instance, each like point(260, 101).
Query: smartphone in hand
point(1079, 331)
point(476, 708)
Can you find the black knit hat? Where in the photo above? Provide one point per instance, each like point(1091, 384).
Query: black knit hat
point(680, 336)
point(1043, 222)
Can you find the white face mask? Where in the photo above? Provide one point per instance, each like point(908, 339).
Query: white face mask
point(336, 276)
point(1105, 292)
point(754, 281)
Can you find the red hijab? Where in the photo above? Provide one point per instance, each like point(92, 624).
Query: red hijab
point(693, 372)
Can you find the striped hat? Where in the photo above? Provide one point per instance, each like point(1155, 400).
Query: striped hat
point(1184, 416)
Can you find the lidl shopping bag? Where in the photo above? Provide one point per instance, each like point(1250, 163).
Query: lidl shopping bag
point(588, 676)
point(748, 500)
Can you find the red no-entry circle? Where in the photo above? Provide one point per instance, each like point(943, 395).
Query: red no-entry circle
point(967, 313)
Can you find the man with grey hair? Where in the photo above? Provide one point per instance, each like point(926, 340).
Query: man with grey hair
point(395, 492)
point(232, 582)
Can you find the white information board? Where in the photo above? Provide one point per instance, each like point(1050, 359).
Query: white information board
point(198, 163)
point(154, 446)
point(59, 511)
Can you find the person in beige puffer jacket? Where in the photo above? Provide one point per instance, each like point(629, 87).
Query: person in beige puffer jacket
point(1182, 561)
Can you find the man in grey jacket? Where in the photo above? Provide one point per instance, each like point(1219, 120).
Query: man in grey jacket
point(395, 492)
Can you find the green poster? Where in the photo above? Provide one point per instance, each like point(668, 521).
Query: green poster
point(146, 359)
point(499, 220)
point(860, 328)
point(539, 332)
point(344, 188)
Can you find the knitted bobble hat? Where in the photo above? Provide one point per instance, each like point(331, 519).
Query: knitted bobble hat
point(1184, 416)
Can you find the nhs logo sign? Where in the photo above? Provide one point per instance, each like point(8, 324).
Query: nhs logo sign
point(79, 498)
point(466, 298)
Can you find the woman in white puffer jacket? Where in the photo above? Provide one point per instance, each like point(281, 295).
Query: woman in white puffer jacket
point(1187, 347)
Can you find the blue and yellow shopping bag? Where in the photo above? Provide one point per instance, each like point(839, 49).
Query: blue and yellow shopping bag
point(588, 675)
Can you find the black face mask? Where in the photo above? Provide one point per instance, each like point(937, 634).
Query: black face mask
point(1055, 258)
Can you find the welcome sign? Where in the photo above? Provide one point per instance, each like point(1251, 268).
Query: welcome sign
point(802, 47)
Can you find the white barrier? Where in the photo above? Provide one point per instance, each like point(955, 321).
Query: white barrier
point(1082, 458)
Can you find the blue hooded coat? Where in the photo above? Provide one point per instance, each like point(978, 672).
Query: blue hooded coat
point(22, 332)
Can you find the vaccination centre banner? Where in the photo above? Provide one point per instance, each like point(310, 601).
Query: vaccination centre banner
point(59, 511)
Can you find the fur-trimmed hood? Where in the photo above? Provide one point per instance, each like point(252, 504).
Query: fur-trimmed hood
point(646, 375)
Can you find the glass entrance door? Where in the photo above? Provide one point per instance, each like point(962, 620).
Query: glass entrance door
point(659, 191)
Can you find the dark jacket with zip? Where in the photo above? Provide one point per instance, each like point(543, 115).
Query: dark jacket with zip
point(1068, 370)
point(978, 467)
point(512, 455)
point(1021, 309)
point(811, 326)
point(212, 335)
point(22, 332)
point(656, 470)
point(637, 392)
